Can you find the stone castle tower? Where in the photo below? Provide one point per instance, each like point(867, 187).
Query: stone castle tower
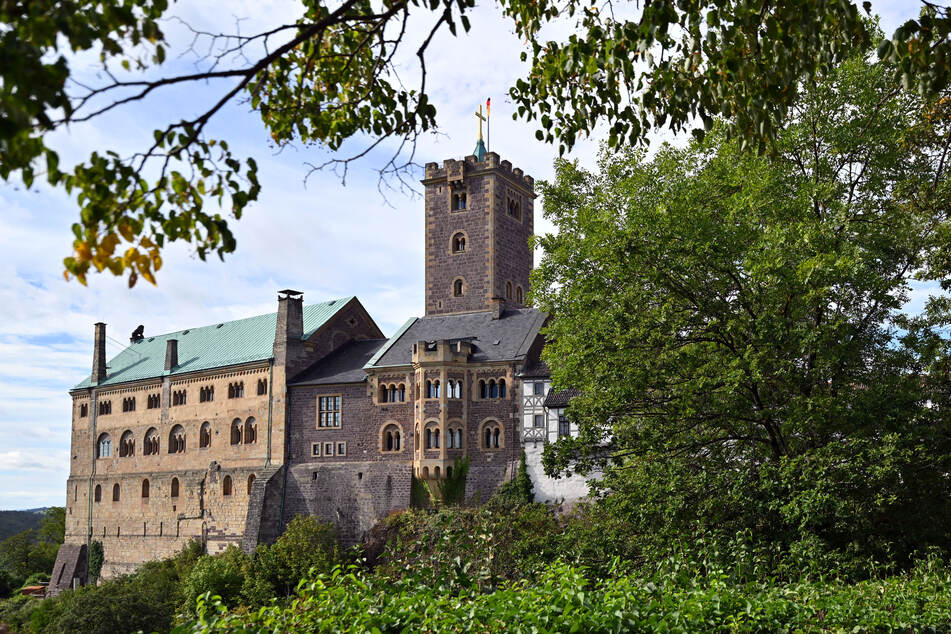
point(479, 217)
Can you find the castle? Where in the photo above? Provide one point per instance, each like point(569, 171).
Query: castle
point(225, 432)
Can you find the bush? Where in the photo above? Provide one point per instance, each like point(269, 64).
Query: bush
point(675, 598)
point(221, 575)
point(96, 558)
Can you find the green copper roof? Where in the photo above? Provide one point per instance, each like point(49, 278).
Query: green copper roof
point(479, 150)
point(229, 343)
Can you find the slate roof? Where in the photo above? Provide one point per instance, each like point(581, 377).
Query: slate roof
point(535, 369)
point(219, 345)
point(505, 339)
point(560, 398)
point(344, 365)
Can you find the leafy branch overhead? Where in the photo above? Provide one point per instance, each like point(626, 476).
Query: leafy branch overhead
point(330, 77)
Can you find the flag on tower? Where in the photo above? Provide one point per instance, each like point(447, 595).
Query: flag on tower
point(488, 105)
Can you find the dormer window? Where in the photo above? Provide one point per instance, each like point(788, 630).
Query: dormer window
point(459, 243)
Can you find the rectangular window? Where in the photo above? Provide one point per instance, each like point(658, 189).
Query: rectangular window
point(564, 427)
point(328, 449)
point(328, 412)
point(539, 420)
point(315, 451)
point(341, 449)
point(539, 388)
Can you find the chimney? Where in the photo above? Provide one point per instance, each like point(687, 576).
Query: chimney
point(498, 306)
point(171, 354)
point(99, 354)
point(290, 327)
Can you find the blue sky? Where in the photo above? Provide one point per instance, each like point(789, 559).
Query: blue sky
point(324, 239)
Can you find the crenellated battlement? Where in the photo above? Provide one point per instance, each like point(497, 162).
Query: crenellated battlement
point(455, 169)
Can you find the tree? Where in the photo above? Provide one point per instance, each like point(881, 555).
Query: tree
point(329, 77)
point(735, 325)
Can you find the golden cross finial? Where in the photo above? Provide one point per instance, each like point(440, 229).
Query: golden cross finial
point(478, 114)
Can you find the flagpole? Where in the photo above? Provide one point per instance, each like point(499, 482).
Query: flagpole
point(488, 124)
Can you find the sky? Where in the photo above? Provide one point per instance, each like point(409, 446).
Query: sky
point(321, 237)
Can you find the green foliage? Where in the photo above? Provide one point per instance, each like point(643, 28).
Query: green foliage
point(146, 600)
point(329, 77)
point(674, 599)
point(13, 522)
point(96, 558)
point(221, 575)
point(420, 495)
point(518, 490)
point(451, 491)
point(32, 551)
point(735, 326)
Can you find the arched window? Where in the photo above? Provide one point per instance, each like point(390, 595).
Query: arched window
point(402, 393)
point(145, 488)
point(250, 431)
point(126, 444)
point(174, 487)
point(115, 492)
point(384, 394)
point(436, 438)
point(492, 435)
point(226, 487)
point(176, 440)
point(392, 396)
point(508, 290)
point(483, 391)
point(416, 439)
point(458, 288)
point(493, 389)
point(458, 439)
point(501, 388)
point(459, 243)
point(459, 201)
point(204, 435)
point(429, 389)
point(519, 295)
point(104, 446)
point(429, 439)
point(150, 446)
point(97, 496)
point(451, 440)
point(391, 437)
point(236, 431)
point(250, 483)
point(435, 389)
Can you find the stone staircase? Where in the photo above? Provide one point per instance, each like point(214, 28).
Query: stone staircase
point(264, 509)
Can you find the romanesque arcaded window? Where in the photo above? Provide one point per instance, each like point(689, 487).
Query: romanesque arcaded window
point(104, 446)
point(392, 395)
point(459, 243)
point(429, 389)
point(84, 410)
point(226, 488)
point(501, 388)
point(145, 489)
point(105, 407)
point(459, 201)
point(458, 438)
point(328, 412)
point(493, 389)
point(128, 404)
point(402, 392)
point(236, 431)
point(250, 431)
point(153, 401)
point(262, 387)
point(384, 394)
point(97, 496)
point(458, 288)
point(176, 440)
point(250, 483)
point(204, 436)
point(391, 437)
point(508, 290)
point(127, 445)
point(436, 389)
point(178, 397)
point(236, 390)
point(115, 492)
point(174, 492)
point(519, 295)
point(206, 394)
point(514, 208)
point(150, 446)
point(492, 435)
point(483, 389)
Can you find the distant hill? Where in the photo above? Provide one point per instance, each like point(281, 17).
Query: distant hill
point(13, 522)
